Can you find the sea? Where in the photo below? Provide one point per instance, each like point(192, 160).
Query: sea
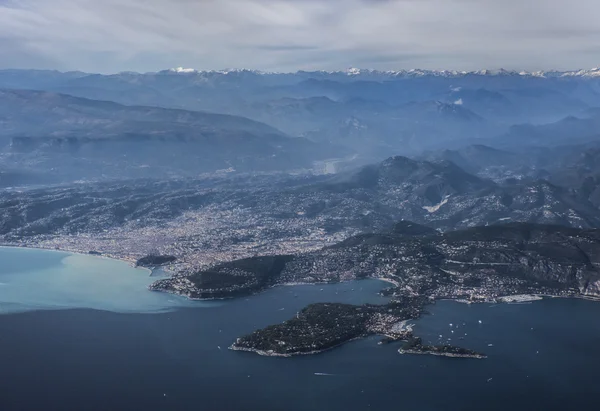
point(80, 332)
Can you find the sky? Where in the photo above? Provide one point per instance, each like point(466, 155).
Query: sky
point(109, 36)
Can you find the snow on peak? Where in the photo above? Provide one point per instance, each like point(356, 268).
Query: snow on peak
point(244, 70)
point(412, 73)
point(595, 72)
point(182, 70)
point(353, 71)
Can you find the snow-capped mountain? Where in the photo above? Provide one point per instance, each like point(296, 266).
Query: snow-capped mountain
point(359, 72)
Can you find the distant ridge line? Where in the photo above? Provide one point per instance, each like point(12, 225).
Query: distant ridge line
point(350, 72)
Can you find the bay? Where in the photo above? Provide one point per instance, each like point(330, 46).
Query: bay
point(109, 356)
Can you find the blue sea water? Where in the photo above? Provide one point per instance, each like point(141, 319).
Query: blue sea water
point(33, 279)
point(118, 349)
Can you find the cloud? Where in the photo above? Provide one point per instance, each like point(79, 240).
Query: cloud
point(145, 35)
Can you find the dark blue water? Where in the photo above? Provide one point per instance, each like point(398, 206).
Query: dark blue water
point(545, 356)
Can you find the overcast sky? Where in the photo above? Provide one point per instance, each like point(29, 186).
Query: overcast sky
point(286, 35)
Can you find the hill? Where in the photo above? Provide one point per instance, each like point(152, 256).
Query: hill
point(82, 138)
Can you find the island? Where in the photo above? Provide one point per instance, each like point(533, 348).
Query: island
point(322, 326)
point(414, 345)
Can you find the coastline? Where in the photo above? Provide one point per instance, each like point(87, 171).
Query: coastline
point(386, 280)
point(129, 261)
point(578, 296)
point(404, 325)
point(519, 298)
point(451, 355)
point(506, 299)
point(288, 284)
point(264, 353)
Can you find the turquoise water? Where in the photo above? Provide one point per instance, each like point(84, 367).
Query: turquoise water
point(33, 279)
point(542, 356)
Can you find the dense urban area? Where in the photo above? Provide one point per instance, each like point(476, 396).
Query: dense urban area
point(472, 186)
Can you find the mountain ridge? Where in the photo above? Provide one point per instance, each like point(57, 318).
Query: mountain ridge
point(354, 71)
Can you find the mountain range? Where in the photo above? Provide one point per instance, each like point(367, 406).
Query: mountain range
point(307, 157)
point(472, 186)
point(362, 113)
point(94, 139)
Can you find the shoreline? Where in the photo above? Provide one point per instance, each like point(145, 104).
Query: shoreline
point(130, 262)
point(386, 280)
point(519, 298)
point(451, 355)
point(409, 327)
point(264, 353)
point(505, 299)
point(270, 287)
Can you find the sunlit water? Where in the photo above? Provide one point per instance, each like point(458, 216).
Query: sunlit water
point(32, 279)
point(542, 356)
